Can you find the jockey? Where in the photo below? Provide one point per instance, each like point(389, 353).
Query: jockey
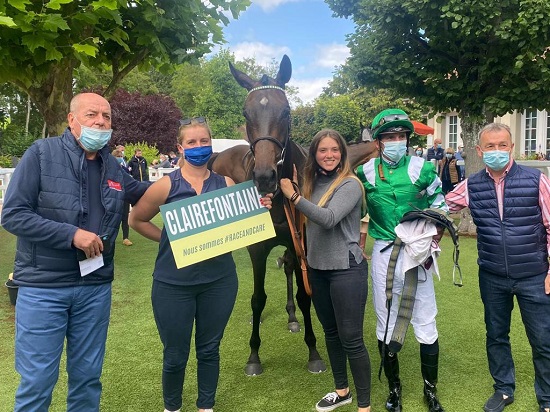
point(396, 184)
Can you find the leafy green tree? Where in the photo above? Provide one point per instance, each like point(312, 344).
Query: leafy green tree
point(14, 110)
point(481, 58)
point(43, 42)
point(219, 97)
point(341, 113)
point(304, 126)
point(208, 89)
point(14, 141)
point(144, 82)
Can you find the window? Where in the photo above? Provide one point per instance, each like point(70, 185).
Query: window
point(452, 131)
point(530, 132)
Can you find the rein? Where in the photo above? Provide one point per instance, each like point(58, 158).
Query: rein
point(296, 223)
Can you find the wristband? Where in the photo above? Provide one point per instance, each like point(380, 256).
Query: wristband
point(294, 196)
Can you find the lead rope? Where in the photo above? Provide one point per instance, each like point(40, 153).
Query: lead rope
point(295, 221)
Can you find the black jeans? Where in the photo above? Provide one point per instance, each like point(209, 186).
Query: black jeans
point(176, 308)
point(339, 297)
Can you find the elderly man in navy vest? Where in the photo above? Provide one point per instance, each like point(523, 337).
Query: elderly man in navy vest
point(510, 204)
point(64, 204)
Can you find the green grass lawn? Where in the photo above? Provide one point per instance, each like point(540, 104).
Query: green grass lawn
point(132, 370)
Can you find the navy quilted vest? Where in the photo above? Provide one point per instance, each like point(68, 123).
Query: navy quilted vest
point(515, 246)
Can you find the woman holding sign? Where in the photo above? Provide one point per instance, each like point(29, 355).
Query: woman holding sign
point(200, 294)
point(332, 200)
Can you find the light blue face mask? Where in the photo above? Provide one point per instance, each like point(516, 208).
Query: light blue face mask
point(394, 151)
point(496, 159)
point(449, 155)
point(93, 139)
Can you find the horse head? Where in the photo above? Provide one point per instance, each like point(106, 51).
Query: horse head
point(267, 114)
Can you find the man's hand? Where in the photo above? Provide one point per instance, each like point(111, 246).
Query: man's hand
point(440, 231)
point(88, 242)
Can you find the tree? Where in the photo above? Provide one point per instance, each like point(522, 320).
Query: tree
point(153, 119)
point(341, 113)
point(219, 97)
point(140, 81)
point(14, 110)
point(371, 101)
point(43, 42)
point(209, 90)
point(304, 126)
point(481, 58)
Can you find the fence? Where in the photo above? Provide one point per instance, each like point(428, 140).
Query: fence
point(155, 174)
point(5, 176)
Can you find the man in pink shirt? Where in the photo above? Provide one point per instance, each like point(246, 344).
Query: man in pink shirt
point(510, 205)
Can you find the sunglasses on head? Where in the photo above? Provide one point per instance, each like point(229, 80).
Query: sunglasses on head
point(189, 120)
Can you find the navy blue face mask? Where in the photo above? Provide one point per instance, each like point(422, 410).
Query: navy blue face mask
point(198, 156)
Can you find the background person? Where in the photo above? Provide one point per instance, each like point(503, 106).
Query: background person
point(436, 151)
point(449, 172)
point(201, 294)
point(395, 184)
point(510, 205)
point(56, 213)
point(163, 162)
point(419, 151)
point(137, 166)
point(119, 156)
point(332, 203)
point(124, 158)
point(460, 156)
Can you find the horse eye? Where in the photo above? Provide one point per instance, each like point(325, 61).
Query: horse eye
point(245, 114)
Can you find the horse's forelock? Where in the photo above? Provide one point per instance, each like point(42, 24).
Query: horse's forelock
point(264, 80)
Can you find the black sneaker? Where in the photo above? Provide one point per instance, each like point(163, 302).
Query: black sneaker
point(332, 401)
point(497, 402)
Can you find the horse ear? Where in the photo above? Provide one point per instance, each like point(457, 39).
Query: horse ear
point(285, 71)
point(241, 78)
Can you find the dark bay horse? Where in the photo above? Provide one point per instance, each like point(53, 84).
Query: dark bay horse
point(269, 158)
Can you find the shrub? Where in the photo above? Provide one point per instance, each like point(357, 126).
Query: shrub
point(5, 161)
point(15, 141)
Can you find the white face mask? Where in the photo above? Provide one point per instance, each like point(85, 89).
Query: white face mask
point(93, 139)
point(394, 151)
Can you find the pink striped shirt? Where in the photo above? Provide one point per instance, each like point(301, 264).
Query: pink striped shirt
point(458, 198)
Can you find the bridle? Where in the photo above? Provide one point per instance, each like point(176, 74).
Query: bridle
point(283, 147)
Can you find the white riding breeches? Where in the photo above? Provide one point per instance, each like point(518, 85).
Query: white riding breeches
point(425, 308)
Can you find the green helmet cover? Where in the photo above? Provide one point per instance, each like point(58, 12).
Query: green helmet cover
point(390, 118)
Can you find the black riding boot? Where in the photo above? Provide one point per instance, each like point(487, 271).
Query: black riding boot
point(429, 373)
point(391, 370)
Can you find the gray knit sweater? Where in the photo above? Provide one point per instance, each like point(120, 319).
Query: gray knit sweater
point(332, 231)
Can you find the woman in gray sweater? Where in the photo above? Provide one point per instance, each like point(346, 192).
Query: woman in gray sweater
point(332, 201)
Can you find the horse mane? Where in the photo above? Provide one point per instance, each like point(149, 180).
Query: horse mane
point(264, 80)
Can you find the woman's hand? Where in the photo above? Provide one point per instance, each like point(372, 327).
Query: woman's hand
point(266, 200)
point(287, 187)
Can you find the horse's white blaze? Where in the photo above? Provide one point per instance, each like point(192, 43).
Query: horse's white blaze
point(264, 101)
